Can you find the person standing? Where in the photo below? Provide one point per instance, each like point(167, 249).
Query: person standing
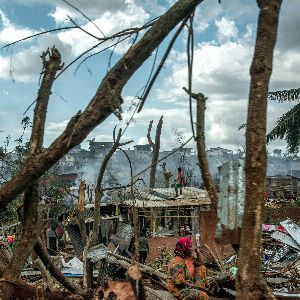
point(179, 182)
point(143, 247)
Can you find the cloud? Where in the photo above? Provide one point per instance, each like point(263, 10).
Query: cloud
point(109, 23)
point(91, 8)
point(25, 64)
point(22, 66)
point(221, 72)
point(209, 11)
point(10, 32)
point(227, 30)
point(54, 129)
point(288, 29)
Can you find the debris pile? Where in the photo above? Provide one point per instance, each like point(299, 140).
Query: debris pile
point(281, 257)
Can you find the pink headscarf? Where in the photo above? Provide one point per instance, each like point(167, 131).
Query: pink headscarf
point(183, 247)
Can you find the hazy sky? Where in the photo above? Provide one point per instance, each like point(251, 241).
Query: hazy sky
point(224, 41)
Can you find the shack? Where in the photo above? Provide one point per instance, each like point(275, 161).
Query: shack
point(282, 186)
point(164, 214)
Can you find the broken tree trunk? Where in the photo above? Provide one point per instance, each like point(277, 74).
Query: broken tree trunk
point(207, 233)
point(80, 218)
point(30, 221)
point(201, 151)
point(249, 283)
point(155, 150)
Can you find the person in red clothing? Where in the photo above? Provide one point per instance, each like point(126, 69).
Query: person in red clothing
point(186, 275)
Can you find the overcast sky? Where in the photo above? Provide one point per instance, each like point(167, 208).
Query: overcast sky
point(224, 41)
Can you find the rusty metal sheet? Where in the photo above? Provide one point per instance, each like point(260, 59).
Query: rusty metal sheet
point(231, 201)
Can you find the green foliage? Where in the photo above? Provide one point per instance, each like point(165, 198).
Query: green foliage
point(10, 215)
point(286, 95)
point(297, 202)
point(287, 127)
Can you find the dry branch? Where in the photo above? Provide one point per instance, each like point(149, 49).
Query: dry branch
point(55, 272)
point(126, 262)
point(98, 189)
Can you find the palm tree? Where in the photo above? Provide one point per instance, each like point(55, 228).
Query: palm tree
point(288, 125)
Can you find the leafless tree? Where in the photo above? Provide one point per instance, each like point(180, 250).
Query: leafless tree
point(155, 149)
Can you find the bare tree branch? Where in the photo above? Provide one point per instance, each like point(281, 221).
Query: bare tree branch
point(84, 15)
point(161, 64)
point(56, 273)
point(98, 188)
point(106, 100)
point(37, 34)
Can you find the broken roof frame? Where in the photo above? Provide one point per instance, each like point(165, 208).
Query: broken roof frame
point(165, 197)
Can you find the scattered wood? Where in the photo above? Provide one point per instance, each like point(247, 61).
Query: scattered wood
point(126, 262)
point(135, 279)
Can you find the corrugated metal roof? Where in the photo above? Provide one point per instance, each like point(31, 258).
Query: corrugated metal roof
point(168, 203)
point(74, 233)
point(165, 197)
point(282, 237)
point(292, 229)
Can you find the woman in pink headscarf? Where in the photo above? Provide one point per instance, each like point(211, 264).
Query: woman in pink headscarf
point(185, 273)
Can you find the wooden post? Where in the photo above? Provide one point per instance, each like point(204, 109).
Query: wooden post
point(153, 221)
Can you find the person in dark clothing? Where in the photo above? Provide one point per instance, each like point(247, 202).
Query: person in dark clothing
point(144, 249)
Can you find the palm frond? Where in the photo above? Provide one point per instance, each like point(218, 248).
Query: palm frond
point(288, 128)
point(285, 95)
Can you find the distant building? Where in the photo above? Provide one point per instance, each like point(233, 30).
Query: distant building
point(99, 148)
point(142, 148)
point(186, 151)
point(282, 186)
point(219, 152)
point(75, 150)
